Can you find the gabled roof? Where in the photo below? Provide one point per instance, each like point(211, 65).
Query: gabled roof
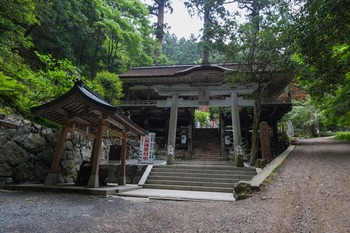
point(175, 70)
point(198, 75)
point(84, 108)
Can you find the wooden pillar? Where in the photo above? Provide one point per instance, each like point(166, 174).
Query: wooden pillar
point(95, 157)
point(236, 126)
point(172, 130)
point(122, 178)
point(265, 141)
point(51, 178)
point(222, 132)
point(93, 150)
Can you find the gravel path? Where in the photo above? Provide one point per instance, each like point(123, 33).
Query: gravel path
point(310, 192)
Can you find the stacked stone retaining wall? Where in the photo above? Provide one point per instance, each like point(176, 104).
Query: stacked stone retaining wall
point(26, 153)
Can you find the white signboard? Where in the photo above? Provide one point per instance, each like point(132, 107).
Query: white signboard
point(147, 146)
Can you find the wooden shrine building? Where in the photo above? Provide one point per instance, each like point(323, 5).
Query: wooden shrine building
point(163, 99)
point(81, 110)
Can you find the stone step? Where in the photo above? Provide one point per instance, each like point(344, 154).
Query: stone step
point(231, 180)
point(190, 183)
point(189, 188)
point(203, 175)
point(206, 169)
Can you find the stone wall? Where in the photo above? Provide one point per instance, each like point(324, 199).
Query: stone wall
point(26, 153)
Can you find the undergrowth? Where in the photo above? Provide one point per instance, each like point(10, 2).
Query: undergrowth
point(343, 136)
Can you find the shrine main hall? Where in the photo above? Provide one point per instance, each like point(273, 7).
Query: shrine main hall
point(163, 100)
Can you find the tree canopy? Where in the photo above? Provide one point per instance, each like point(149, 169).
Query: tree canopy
point(323, 52)
point(45, 45)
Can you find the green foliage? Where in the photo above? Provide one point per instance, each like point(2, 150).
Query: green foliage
point(213, 15)
point(58, 75)
point(74, 39)
point(108, 86)
point(342, 136)
point(336, 107)
point(201, 117)
point(181, 51)
point(323, 45)
point(95, 34)
point(323, 51)
point(303, 116)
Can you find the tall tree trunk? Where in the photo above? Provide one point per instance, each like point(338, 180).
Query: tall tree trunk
point(205, 38)
point(255, 134)
point(160, 22)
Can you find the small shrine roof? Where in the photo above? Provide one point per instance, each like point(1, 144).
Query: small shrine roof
point(84, 108)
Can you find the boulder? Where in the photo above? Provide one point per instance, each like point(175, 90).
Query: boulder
point(68, 145)
point(49, 135)
point(85, 153)
point(40, 171)
point(22, 172)
point(46, 155)
point(20, 132)
point(13, 154)
point(5, 181)
point(67, 155)
point(242, 190)
point(34, 143)
point(5, 169)
point(3, 138)
point(68, 167)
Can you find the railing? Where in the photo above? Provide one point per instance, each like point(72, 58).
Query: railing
point(279, 100)
point(138, 103)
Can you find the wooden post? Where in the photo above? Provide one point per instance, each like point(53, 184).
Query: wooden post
point(172, 130)
point(51, 178)
point(122, 178)
point(222, 132)
point(236, 126)
point(265, 141)
point(94, 142)
point(95, 157)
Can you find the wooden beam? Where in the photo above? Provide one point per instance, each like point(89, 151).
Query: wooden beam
point(94, 178)
point(62, 112)
point(122, 178)
point(51, 178)
point(83, 114)
point(195, 103)
point(115, 123)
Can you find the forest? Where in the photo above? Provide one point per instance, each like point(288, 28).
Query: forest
point(46, 45)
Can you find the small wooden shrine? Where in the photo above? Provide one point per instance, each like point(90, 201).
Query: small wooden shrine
point(81, 110)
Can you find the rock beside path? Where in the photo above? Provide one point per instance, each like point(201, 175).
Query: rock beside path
point(242, 190)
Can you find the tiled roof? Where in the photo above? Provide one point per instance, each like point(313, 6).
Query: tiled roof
point(82, 107)
point(169, 71)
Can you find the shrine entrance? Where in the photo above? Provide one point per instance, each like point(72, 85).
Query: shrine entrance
point(162, 99)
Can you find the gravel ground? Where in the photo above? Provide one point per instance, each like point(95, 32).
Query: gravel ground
point(310, 192)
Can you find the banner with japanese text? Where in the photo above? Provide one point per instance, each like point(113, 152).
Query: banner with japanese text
point(147, 146)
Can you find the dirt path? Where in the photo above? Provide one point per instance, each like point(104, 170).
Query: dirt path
point(309, 193)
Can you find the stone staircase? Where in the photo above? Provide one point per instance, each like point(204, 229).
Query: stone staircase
point(198, 177)
point(206, 145)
